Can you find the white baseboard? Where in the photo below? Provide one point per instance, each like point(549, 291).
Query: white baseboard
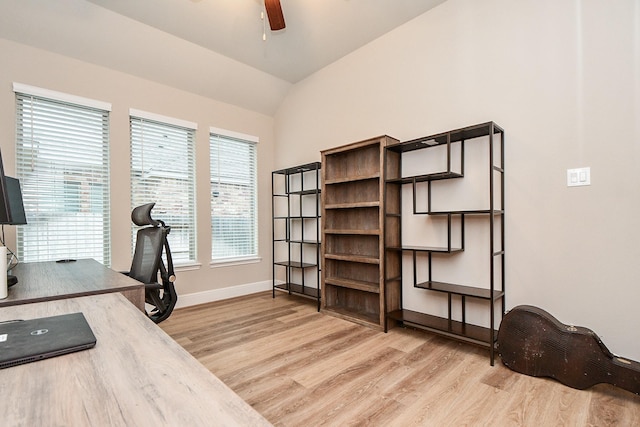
point(186, 300)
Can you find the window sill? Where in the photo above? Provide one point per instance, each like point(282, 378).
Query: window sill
point(187, 266)
point(230, 262)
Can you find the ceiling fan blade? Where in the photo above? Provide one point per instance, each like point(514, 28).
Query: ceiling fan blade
point(274, 12)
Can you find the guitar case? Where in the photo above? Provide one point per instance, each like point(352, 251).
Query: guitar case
point(533, 342)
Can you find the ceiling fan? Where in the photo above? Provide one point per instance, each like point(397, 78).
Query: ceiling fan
point(274, 12)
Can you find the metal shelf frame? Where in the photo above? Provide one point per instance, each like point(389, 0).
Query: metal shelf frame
point(307, 190)
point(495, 294)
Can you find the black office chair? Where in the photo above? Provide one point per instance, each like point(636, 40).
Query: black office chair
point(147, 262)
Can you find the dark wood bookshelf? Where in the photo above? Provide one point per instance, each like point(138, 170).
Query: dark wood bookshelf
point(355, 201)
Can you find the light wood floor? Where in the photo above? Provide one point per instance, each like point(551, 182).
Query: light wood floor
point(299, 367)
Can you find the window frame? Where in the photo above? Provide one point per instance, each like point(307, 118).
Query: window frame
point(89, 111)
point(254, 142)
point(189, 227)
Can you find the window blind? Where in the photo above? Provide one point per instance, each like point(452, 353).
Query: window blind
point(62, 161)
point(233, 198)
point(163, 171)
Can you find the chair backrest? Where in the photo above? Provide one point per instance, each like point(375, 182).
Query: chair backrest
point(150, 241)
point(148, 263)
point(148, 254)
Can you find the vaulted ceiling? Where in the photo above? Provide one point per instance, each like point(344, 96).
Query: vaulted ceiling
point(198, 44)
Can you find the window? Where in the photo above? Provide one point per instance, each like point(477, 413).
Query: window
point(163, 171)
point(62, 153)
point(233, 196)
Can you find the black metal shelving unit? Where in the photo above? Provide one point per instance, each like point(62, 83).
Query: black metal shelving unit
point(296, 230)
point(494, 295)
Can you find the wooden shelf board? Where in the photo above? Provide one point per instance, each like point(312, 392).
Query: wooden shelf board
point(426, 177)
point(463, 212)
point(469, 132)
point(302, 168)
point(360, 285)
point(353, 258)
point(469, 291)
point(425, 249)
point(352, 178)
point(367, 319)
point(295, 264)
point(305, 192)
point(297, 289)
point(463, 331)
point(298, 193)
point(306, 242)
point(370, 204)
point(375, 232)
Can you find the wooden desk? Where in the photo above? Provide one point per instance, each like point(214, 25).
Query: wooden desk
point(136, 375)
point(45, 281)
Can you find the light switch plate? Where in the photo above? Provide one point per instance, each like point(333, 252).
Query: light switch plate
point(578, 177)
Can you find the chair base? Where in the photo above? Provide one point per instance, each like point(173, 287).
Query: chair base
point(163, 301)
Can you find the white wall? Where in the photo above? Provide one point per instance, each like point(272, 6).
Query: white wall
point(44, 69)
point(563, 79)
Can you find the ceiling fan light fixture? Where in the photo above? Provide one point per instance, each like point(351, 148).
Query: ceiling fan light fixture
point(274, 13)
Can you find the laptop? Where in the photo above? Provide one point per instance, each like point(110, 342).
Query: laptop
point(25, 341)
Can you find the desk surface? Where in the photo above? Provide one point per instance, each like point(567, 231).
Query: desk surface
point(44, 281)
point(136, 375)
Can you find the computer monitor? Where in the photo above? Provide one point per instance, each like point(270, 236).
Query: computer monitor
point(5, 209)
point(14, 198)
point(11, 207)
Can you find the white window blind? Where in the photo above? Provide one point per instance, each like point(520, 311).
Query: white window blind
point(163, 171)
point(233, 198)
point(62, 153)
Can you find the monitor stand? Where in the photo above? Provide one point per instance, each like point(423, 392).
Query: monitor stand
point(11, 280)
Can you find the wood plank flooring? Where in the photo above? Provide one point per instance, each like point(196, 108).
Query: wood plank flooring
point(298, 367)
